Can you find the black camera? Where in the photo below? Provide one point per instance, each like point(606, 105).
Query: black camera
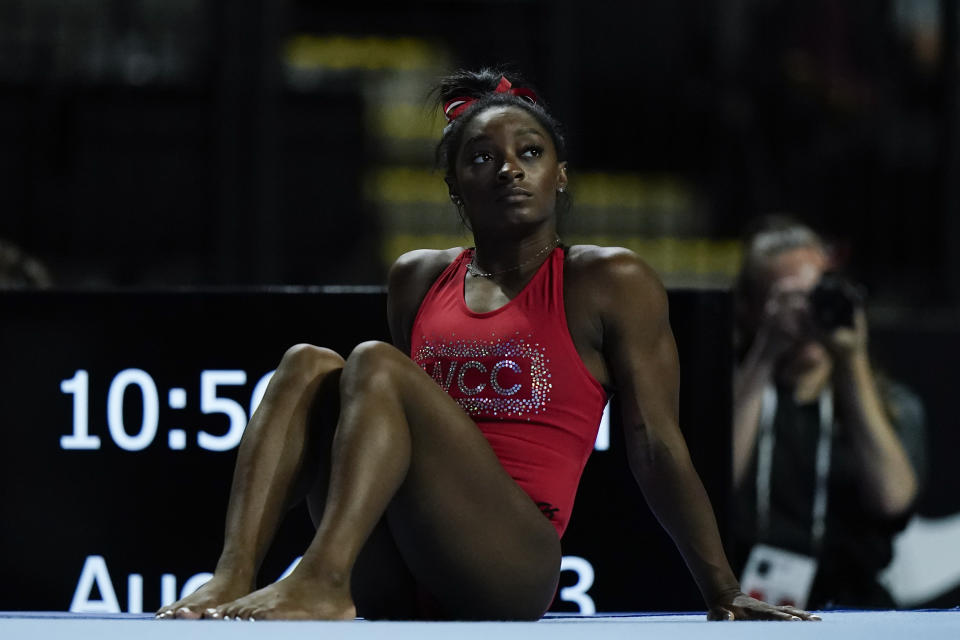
point(834, 300)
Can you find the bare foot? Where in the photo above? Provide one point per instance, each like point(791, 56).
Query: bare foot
point(217, 591)
point(289, 599)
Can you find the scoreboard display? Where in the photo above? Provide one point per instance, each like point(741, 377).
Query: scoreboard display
point(122, 410)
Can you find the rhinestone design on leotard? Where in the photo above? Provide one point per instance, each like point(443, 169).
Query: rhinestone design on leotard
point(510, 376)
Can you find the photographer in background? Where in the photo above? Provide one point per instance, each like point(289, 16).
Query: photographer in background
point(828, 456)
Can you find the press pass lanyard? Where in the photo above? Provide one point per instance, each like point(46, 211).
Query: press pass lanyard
point(765, 445)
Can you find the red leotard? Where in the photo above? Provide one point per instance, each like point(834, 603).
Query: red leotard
point(517, 373)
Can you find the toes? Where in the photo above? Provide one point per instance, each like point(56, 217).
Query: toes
point(186, 613)
point(233, 611)
point(169, 611)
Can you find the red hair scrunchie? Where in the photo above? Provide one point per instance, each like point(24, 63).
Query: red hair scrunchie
point(455, 106)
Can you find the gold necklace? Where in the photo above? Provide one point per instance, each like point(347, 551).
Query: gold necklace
point(477, 273)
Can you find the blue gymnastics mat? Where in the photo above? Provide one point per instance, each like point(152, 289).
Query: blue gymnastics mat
point(836, 625)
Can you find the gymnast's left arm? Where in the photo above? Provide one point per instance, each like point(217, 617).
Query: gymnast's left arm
point(641, 355)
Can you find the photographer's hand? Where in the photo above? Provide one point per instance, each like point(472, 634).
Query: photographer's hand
point(887, 479)
point(846, 343)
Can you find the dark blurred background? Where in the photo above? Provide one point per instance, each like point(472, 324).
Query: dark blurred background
point(207, 142)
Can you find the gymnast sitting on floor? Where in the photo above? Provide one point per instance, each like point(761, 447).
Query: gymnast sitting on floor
point(441, 471)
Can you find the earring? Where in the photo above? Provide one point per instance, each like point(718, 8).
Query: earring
point(562, 189)
point(457, 200)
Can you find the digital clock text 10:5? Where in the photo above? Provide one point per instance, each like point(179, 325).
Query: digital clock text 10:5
point(139, 437)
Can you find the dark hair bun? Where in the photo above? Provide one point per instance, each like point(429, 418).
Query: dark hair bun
point(475, 84)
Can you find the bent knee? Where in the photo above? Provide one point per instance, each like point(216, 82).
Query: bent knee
point(374, 354)
point(374, 362)
point(309, 361)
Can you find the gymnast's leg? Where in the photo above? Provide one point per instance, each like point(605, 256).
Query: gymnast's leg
point(277, 462)
point(467, 532)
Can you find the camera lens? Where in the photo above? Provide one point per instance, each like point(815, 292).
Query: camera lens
point(834, 300)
